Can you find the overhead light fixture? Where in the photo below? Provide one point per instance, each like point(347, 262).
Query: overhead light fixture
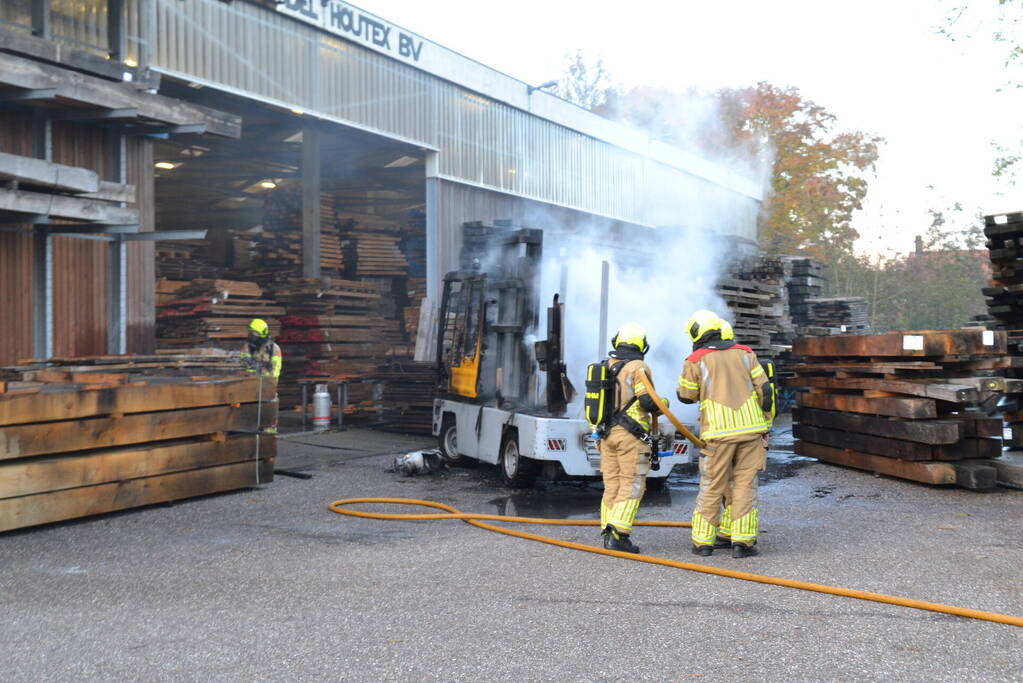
point(401, 162)
point(166, 165)
point(533, 88)
point(294, 137)
point(131, 62)
point(297, 111)
point(268, 184)
point(197, 86)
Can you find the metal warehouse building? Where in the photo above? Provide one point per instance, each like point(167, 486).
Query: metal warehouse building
point(192, 112)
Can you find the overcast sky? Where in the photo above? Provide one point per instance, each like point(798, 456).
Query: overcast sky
point(877, 65)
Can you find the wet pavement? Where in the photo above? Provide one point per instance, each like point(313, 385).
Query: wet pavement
point(267, 583)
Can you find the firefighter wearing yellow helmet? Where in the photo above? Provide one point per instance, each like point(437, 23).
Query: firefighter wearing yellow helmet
point(262, 354)
point(625, 449)
point(728, 382)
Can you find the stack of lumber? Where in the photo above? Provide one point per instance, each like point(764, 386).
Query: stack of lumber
point(1005, 290)
point(122, 368)
point(755, 309)
point(214, 313)
point(185, 261)
point(371, 247)
point(70, 450)
point(277, 251)
point(406, 401)
point(836, 315)
point(329, 330)
point(907, 404)
point(804, 279)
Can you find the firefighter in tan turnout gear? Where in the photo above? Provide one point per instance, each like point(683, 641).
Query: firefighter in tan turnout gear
point(625, 449)
point(729, 384)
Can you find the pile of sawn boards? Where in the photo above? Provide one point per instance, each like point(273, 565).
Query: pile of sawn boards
point(74, 450)
point(907, 404)
point(1005, 305)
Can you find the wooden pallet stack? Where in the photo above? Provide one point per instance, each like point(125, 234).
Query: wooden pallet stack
point(836, 315)
point(277, 251)
point(111, 441)
point(907, 404)
point(406, 401)
point(755, 309)
point(214, 313)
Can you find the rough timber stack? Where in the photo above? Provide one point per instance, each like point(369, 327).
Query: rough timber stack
point(83, 440)
point(1005, 304)
point(915, 405)
point(804, 279)
point(836, 315)
point(753, 290)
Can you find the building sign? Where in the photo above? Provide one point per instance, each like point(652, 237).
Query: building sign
point(351, 23)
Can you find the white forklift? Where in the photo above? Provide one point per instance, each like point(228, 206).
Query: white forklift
point(491, 406)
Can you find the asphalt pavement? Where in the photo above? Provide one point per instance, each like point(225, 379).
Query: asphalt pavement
point(269, 584)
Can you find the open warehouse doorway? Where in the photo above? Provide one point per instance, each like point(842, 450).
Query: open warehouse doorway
point(257, 197)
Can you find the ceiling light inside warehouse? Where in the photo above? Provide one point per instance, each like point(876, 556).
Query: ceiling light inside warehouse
point(166, 165)
point(401, 162)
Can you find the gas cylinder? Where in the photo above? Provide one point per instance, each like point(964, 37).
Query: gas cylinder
point(321, 408)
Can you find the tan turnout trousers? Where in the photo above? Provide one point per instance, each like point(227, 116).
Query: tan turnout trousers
point(728, 475)
point(624, 464)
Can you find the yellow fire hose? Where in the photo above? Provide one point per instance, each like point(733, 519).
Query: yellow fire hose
point(339, 506)
point(671, 418)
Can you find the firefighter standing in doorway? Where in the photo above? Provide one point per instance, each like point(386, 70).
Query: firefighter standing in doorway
point(262, 354)
point(625, 450)
point(729, 384)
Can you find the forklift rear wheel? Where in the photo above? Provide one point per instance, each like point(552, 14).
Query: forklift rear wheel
point(517, 470)
point(449, 441)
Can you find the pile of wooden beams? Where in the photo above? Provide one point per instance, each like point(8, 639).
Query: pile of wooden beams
point(914, 405)
point(71, 450)
point(214, 313)
point(277, 251)
point(124, 369)
point(753, 289)
point(406, 400)
point(372, 247)
point(804, 279)
point(836, 315)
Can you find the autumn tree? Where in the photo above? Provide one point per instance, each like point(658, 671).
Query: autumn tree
point(818, 174)
point(588, 85)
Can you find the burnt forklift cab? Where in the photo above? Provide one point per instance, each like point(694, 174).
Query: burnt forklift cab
point(486, 310)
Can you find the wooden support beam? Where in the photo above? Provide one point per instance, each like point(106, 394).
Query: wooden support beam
point(72, 58)
point(17, 95)
point(950, 391)
point(89, 91)
point(912, 408)
point(61, 206)
point(42, 173)
point(67, 403)
point(124, 113)
point(32, 476)
point(922, 431)
point(964, 342)
point(20, 441)
point(113, 192)
point(24, 511)
point(895, 448)
point(924, 472)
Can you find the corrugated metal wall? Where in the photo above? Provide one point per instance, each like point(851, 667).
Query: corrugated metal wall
point(79, 266)
point(251, 49)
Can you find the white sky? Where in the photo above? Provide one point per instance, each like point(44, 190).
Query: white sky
point(877, 65)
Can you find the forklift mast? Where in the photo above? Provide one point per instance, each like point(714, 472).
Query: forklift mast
point(487, 308)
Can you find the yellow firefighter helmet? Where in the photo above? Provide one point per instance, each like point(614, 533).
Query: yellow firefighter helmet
point(703, 322)
point(631, 333)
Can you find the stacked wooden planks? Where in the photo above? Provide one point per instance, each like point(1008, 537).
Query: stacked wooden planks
point(1005, 305)
point(755, 309)
point(907, 404)
point(836, 315)
point(406, 400)
point(101, 444)
point(804, 279)
point(119, 369)
point(372, 246)
point(214, 313)
point(329, 330)
point(277, 251)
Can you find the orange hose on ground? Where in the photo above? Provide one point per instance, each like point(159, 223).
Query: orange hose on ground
point(338, 506)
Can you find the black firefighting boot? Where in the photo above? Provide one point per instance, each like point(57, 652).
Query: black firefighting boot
point(703, 550)
point(616, 540)
point(606, 533)
point(740, 550)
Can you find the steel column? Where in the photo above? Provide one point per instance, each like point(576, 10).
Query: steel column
point(310, 202)
point(41, 18)
point(117, 37)
point(433, 274)
point(117, 259)
point(42, 246)
point(605, 279)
